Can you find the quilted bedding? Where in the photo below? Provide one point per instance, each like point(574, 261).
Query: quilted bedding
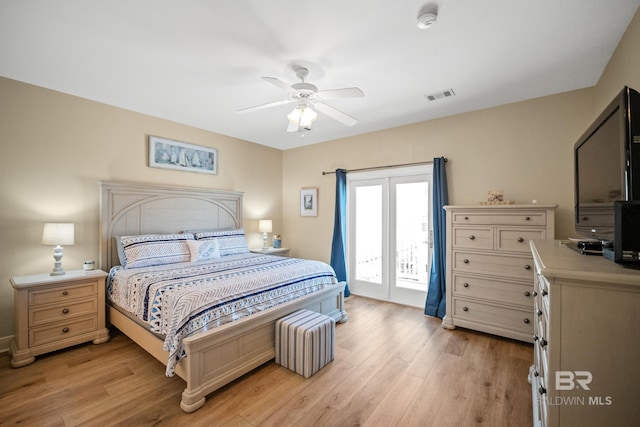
point(181, 300)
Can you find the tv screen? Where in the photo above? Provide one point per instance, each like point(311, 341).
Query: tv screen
point(604, 164)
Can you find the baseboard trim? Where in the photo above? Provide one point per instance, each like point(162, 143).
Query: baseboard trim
point(5, 343)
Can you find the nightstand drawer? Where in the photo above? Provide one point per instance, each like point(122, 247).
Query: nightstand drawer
point(53, 313)
point(63, 293)
point(62, 330)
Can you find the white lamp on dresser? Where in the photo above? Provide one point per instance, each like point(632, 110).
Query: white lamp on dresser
point(58, 234)
point(265, 227)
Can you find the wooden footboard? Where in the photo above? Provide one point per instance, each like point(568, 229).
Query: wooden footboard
point(217, 357)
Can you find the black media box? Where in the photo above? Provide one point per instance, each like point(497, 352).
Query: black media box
point(626, 243)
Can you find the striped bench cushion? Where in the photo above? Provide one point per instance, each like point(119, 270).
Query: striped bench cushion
point(305, 341)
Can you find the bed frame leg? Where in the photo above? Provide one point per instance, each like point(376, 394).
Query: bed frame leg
point(190, 407)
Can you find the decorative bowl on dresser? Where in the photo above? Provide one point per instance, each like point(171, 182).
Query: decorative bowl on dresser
point(490, 268)
point(55, 312)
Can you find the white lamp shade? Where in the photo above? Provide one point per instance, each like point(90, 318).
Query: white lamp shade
point(58, 234)
point(265, 226)
point(302, 116)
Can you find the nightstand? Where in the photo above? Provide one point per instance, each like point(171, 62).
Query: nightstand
point(272, 251)
point(55, 312)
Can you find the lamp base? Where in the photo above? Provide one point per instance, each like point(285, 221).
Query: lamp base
point(57, 266)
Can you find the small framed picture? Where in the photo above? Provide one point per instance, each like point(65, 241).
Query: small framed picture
point(177, 155)
point(309, 202)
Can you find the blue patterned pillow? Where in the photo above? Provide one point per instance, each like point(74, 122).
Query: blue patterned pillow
point(155, 249)
point(203, 250)
point(230, 242)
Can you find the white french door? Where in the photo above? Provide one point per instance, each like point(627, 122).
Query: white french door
point(389, 234)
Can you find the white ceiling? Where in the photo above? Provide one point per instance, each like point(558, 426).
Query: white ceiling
point(197, 62)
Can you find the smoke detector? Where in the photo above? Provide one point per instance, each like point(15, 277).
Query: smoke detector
point(425, 20)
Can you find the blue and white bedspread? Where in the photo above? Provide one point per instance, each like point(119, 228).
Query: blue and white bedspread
point(180, 300)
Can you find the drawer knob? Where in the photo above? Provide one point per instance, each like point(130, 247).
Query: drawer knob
point(472, 237)
point(539, 312)
point(526, 320)
point(465, 308)
point(466, 218)
point(536, 373)
point(65, 293)
point(65, 311)
point(535, 294)
point(542, 390)
point(543, 342)
point(65, 329)
point(527, 293)
point(466, 261)
point(520, 240)
point(527, 267)
point(526, 218)
point(544, 293)
point(466, 285)
point(535, 337)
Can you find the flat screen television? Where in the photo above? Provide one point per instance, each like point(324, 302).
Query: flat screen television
point(607, 167)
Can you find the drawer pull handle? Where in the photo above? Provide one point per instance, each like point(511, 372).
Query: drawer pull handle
point(543, 342)
point(466, 285)
point(520, 240)
point(65, 293)
point(539, 312)
point(535, 294)
point(536, 373)
point(542, 390)
point(65, 330)
point(65, 311)
point(526, 320)
point(544, 293)
point(472, 237)
point(526, 218)
point(466, 261)
point(466, 218)
point(535, 337)
point(527, 267)
point(527, 293)
point(465, 308)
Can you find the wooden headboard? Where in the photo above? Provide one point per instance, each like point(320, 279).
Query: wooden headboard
point(134, 208)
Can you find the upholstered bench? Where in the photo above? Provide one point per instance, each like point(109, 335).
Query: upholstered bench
point(305, 341)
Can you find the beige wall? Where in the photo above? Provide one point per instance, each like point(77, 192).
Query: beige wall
point(525, 149)
point(55, 148)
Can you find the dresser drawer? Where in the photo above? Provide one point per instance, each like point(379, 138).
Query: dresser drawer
point(519, 267)
point(473, 238)
point(493, 290)
point(535, 218)
point(62, 330)
point(63, 293)
point(53, 313)
point(517, 240)
point(520, 320)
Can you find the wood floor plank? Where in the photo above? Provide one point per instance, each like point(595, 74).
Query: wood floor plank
point(393, 367)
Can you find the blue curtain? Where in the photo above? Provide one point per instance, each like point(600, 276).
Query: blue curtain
point(339, 244)
point(436, 295)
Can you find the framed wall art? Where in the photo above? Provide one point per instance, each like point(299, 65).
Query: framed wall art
point(169, 154)
point(309, 202)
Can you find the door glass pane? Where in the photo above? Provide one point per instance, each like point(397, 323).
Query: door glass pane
point(368, 233)
point(412, 235)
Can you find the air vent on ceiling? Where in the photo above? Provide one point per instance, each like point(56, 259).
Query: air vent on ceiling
point(439, 95)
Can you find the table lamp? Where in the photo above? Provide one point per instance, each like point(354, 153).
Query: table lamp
point(265, 227)
point(58, 234)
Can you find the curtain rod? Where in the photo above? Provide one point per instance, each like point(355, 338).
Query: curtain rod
point(387, 166)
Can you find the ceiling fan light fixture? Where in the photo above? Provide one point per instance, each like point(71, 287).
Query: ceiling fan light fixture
point(302, 116)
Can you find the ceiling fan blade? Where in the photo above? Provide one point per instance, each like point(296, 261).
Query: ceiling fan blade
point(280, 84)
point(293, 127)
point(335, 114)
point(349, 92)
point(263, 106)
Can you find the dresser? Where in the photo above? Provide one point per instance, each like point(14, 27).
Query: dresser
point(54, 312)
point(586, 339)
point(490, 269)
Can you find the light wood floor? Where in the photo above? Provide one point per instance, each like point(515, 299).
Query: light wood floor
point(393, 367)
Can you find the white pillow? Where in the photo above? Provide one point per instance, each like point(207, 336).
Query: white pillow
point(203, 250)
point(231, 242)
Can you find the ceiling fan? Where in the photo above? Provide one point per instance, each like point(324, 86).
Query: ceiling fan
point(307, 97)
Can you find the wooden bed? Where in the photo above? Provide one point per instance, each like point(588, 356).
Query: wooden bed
point(218, 356)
